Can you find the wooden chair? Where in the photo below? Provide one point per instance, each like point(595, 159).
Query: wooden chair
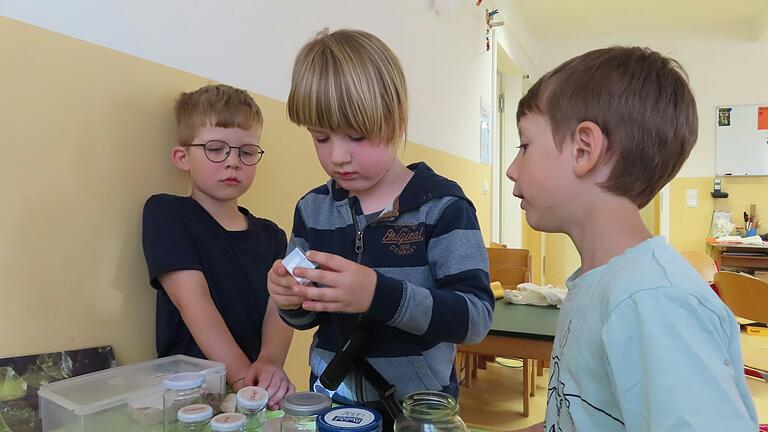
point(703, 263)
point(510, 267)
point(746, 296)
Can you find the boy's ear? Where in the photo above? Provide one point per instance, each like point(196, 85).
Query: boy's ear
point(589, 144)
point(179, 157)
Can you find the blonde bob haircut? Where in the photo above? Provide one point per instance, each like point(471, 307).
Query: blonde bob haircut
point(350, 79)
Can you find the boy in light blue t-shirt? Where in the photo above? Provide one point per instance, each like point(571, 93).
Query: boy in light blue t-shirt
point(643, 343)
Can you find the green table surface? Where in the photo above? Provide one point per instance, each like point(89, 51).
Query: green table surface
point(526, 321)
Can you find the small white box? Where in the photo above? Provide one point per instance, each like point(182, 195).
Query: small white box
point(297, 259)
point(99, 402)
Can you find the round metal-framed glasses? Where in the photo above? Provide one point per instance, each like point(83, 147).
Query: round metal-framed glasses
point(217, 151)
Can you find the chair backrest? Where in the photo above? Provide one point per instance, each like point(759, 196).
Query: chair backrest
point(703, 263)
point(509, 266)
point(746, 296)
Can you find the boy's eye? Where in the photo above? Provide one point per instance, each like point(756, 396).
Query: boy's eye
point(214, 148)
point(357, 138)
point(321, 139)
point(523, 147)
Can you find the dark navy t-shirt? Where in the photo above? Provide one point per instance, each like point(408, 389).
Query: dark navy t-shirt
point(179, 234)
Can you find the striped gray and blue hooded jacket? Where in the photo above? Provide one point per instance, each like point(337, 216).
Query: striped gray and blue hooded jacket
point(432, 288)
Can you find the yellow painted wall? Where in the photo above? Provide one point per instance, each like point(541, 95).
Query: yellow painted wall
point(689, 227)
point(532, 242)
point(86, 136)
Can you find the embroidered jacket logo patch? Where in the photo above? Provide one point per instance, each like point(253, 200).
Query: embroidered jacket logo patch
point(401, 239)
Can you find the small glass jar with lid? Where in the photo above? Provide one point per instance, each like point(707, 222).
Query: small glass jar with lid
point(430, 411)
point(228, 422)
point(251, 402)
point(181, 390)
point(194, 418)
point(301, 409)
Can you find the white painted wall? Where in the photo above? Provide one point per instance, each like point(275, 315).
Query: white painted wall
point(722, 70)
point(511, 213)
point(252, 44)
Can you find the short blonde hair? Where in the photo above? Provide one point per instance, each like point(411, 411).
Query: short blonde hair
point(350, 79)
point(215, 105)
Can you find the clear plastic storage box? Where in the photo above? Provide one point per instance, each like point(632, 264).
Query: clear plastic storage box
point(126, 398)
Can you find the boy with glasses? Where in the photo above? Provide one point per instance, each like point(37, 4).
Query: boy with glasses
point(207, 257)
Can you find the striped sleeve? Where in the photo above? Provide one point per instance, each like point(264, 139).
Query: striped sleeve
point(459, 307)
point(299, 318)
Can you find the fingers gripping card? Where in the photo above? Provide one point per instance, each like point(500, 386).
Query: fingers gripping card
point(297, 259)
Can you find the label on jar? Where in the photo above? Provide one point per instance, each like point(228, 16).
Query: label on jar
point(227, 419)
point(195, 409)
point(346, 418)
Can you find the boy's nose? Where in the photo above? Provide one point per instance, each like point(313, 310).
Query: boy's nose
point(512, 171)
point(233, 158)
point(339, 154)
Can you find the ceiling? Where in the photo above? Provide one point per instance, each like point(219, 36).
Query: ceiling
point(556, 19)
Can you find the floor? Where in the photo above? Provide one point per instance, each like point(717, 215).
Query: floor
point(494, 402)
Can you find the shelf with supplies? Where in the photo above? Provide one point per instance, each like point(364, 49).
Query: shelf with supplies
point(752, 257)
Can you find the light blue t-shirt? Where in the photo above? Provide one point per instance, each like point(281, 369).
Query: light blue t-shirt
point(644, 344)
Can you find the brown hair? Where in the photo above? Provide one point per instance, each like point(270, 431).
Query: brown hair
point(216, 105)
point(641, 101)
point(350, 79)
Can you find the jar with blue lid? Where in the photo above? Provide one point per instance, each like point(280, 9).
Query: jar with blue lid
point(194, 418)
point(251, 402)
point(349, 419)
point(181, 390)
point(228, 422)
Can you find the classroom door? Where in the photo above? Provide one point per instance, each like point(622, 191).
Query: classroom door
point(507, 217)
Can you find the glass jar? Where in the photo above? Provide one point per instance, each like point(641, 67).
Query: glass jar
point(301, 409)
point(349, 419)
point(194, 418)
point(228, 422)
point(180, 390)
point(430, 411)
point(251, 402)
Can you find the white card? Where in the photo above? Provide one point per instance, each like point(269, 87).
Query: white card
point(297, 259)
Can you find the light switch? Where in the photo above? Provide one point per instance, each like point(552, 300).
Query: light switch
point(485, 187)
point(691, 198)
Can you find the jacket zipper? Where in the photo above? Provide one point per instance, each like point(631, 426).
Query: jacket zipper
point(359, 250)
point(358, 233)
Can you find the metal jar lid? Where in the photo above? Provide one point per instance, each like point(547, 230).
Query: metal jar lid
point(305, 403)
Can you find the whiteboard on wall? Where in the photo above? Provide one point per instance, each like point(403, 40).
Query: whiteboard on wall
point(741, 140)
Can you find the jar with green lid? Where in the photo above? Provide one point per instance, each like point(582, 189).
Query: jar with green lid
point(430, 411)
